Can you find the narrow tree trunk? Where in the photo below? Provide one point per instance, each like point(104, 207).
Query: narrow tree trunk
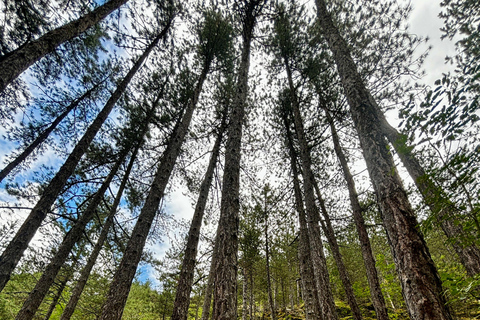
point(210, 283)
point(267, 265)
point(43, 136)
point(342, 270)
point(36, 296)
point(225, 295)
point(378, 300)
point(435, 198)
point(122, 280)
point(184, 287)
point(318, 256)
point(207, 301)
point(422, 288)
point(19, 243)
point(56, 298)
point(310, 295)
point(17, 61)
point(85, 273)
point(244, 293)
point(252, 297)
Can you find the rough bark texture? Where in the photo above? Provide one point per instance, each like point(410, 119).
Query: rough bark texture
point(210, 283)
point(225, 294)
point(19, 243)
point(422, 288)
point(435, 198)
point(244, 294)
point(185, 281)
point(57, 297)
point(85, 273)
point(378, 300)
point(318, 256)
point(342, 270)
point(122, 280)
point(267, 267)
point(36, 296)
point(17, 61)
point(43, 136)
point(310, 293)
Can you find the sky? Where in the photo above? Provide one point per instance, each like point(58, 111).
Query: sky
point(424, 21)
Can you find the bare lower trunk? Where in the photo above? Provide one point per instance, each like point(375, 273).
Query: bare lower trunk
point(435, 198)
point(56, 298)
point(184, 287)
point(318, 256)
point(342, 270)
point(17, 61)
point(310, 294)
point(19, 243)
point(422, 288)
point(210, 283)
point(225, 294)
point(245, 294)
point(122, 280)
point(35, 298)
point(378, 300)
point(267, 267)
point(85, 273)
point(43, 136)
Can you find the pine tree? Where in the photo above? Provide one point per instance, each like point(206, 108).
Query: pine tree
point(421, 284)
point(12, 254)
point(15, 62)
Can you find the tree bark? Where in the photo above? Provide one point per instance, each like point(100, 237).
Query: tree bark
point(422, 288)
point(225, 294)
point(85, 273)
point(327, 302)
point(342, 270)
point(19, 243)
point(210, 283)
point(378, 300)
point(122, 280)
point(56, 298)
point(36, 296)
point(267, 264)
point(435, 198)
point(184, 287)
point(43, 136)
point(17, 61)
point(310, 294)
point(244, 293)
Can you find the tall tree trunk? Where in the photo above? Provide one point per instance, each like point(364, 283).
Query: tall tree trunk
point(19, 243)
point(267, 264)
point(225, 295)
point(17, 61)
point(378, 300)
point(44, 135)
point(318, 256)
point(435, 198)
point(332, 241)
point(422, 288)
point(210, 282)
point(310, 295)
point(184, 287)
point(57, 297)
point(244, 293)
point(122, 280)
point(36, 296)
point(85, 273)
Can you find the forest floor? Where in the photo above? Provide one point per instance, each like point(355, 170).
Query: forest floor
point(462, 312)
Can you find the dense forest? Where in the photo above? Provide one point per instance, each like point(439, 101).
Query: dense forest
point(246, 159)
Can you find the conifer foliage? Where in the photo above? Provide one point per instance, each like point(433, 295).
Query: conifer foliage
point(272, 122)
